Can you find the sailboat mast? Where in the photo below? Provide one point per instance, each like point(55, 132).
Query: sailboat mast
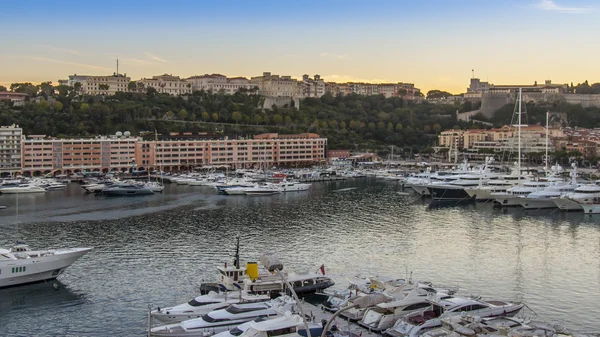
point(547, 124)
point(519, 133)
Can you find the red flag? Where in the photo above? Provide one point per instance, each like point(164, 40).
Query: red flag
point(322, 267)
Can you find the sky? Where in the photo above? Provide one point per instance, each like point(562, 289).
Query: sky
point(435, 44)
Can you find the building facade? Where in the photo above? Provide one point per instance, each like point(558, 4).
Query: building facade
point(43, 155)
point(100, 85)
point(10, 149)
point(168, 84)
point(218, 82)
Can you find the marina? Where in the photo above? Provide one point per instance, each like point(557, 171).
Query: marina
point(157, 250)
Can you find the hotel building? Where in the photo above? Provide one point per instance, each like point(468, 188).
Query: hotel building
point(10, 149)
point(42, 155)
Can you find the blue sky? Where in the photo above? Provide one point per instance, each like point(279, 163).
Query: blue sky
point(433, 44)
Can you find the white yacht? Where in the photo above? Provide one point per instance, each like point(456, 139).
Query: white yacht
point(582, 194)
point(544, 198)
point(204, 304)
point(287, 325)
point(417, 323)
point(224, 319)
point(22, 188)
point(455, 190)
point(21, 265)
point(235, 277)
point(504, 182)
point(262, 190)
point(512, 194)
point(291, 186)
point(384, 315)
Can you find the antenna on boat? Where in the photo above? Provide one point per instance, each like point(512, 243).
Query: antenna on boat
point(236, 260)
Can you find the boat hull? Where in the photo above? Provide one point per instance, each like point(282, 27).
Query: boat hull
point(420, 189)
point(565, 204)
point(533, 203)
point(507, 200)
point(447, 193)
point(38, 269)
point(591, 208)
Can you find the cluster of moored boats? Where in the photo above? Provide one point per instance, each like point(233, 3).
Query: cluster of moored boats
point(377, 305)
point(35, 185)
point(548, 190)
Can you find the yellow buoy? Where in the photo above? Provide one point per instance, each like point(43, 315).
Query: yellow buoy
point(252, 270)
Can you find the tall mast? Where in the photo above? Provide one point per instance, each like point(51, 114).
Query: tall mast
point(547, 124)
point(519, 133)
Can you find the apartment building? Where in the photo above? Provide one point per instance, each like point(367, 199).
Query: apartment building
point(218, 82)
point(100, 85)
point(168, 84)
point(41, 154)
point(312, 87)
point(10, 149)
point(265, 150)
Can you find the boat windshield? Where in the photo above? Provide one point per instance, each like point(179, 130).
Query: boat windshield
point(209, 319)
point(232, 309)
point(195, 303)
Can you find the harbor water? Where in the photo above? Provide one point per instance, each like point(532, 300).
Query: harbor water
point(156, 250)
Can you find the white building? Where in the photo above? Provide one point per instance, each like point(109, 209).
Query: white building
point(218, 82)
point(168, 84)
point(10, 149)
point(96, 85)
point(276, 86)
point(312, 87)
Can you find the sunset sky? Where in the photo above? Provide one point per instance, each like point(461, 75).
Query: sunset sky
point(434, 44)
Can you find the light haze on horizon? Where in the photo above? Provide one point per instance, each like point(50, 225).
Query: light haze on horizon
point(434, 44)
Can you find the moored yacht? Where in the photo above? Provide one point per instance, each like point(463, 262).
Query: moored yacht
point(455, 190)
point(582, 194)
point(224, 319)
point(22, 188)
point(21, 265)
point(201, 305)
point(512, 194)
point(545, 198)
point(442, 306)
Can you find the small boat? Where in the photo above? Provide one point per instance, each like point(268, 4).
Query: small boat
point(126, 190)
point(21, 265)
point(291, 186)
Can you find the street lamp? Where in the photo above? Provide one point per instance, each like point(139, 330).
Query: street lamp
point(271, 262)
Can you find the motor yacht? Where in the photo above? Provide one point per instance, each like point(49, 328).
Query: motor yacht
point(22, 188)
point(202, 305)
point(235, 277)
point(443, 306)
point(21, 265)
point(384, 315)
point(126, 190)
point(545, 198)
point(262, 190)
point(512, 194)
point(154, 186)
point(455, 190)
point(224, 319)
point(582, 194)
point(290, 186)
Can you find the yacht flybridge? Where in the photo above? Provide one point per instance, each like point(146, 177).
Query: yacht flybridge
point(21, 265)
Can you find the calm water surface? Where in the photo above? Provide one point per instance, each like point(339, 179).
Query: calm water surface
point(156, 250)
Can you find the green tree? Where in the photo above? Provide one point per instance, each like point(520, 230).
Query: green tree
point(46, 88)
point(132, 86)
point(43, 104)
point(205, 116)
point(324, 124)
point(277, 119)
point(381, 126)
point(215, 117)
point(343, 125)
point(427, 129)
point(25, 88)
point(372, 126)
point(287, 120)
point(103, 87)
point(85, 107)
point(170, 114)
point(390, 127)
point(399, 128)
point(236, 116)
point(57, 105)
point(437, 128)
point(257, 119)
point(140, 87)
point(333, 124)
point(183, 114)
point(3, 88)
